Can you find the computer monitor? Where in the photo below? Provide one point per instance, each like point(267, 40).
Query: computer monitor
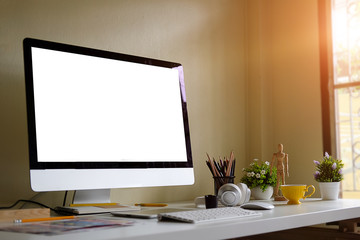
point(102, 120)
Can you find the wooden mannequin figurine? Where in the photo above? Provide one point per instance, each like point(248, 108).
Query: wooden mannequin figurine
point(280, 159)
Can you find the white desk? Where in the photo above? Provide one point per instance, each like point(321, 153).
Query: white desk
point(310, 212)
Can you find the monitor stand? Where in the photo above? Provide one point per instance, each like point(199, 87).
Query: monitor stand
point(94, 201)
point(91, 196)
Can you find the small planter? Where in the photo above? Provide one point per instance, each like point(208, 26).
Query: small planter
point(258, 194)
point(329, 190)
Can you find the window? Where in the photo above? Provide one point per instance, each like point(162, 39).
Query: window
point(345, 88)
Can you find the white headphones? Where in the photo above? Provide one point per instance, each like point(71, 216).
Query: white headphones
point(231, 195)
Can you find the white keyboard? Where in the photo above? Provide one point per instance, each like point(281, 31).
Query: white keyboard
point(209, 215)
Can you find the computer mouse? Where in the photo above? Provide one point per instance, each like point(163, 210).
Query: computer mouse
point(257, 206)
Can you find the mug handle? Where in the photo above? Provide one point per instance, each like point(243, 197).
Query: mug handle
point(307, 188)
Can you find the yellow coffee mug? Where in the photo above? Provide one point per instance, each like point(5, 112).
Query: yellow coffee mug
point(294, 192)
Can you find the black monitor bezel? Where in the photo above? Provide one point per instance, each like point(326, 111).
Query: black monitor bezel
point(28, 43)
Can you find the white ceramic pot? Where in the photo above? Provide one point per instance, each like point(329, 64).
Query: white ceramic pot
point(329, 190)
point(258, 194)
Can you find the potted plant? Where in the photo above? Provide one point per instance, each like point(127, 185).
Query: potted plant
point(329, 174)
point(258, 178)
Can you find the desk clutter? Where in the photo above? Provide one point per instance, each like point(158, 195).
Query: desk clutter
point(260, 177)
point(39, 221)
point(16, 214)
point(57, 227)
point(82, 209)
point(228, 193)
point(234, 199)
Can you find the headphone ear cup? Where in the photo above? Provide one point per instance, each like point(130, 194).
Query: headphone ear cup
point(229, 194)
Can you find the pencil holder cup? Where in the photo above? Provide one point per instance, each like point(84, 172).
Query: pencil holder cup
point(219, 181)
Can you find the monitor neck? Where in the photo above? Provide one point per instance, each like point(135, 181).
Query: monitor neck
point(91, 196)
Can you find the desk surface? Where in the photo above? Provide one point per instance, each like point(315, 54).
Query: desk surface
point(282, 217)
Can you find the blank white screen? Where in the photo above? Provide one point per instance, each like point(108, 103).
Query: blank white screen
point(91, 109)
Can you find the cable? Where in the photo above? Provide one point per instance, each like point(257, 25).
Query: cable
point(28, 201)
point(73, 198)
point(64, 202)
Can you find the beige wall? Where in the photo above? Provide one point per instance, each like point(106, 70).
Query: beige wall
point(251, 74)
point(284, 84)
